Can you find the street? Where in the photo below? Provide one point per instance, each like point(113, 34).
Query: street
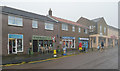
point(107, 59)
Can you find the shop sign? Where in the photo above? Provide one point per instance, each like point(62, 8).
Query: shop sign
point(68, 37)
point(41, 37)
point(83, 38)
point(16, 36)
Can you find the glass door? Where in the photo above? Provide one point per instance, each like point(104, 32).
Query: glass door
point(13, 46)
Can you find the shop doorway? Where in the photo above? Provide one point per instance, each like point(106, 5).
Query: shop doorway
point(15, 43)
point(35, 46)
point(12, 46)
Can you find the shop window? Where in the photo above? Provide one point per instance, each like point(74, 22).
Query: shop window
point(16, 21)
point(49, 26)
point(51, 43)
point(40, 43)
point(73, 28)
point(65, 27)
point(34, 24)
point(19, 45)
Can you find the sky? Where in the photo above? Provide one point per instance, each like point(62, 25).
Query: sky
point(70, 9)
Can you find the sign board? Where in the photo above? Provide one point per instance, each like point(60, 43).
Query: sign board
point(68, 37)
point(17, 36)
point(83, 38)
point(34, 37)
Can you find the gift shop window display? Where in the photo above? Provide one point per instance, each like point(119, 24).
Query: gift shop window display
point(68, 43)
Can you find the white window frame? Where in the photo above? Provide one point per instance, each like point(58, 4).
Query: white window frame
point(15, 20)
point(73, 28)
point(65, 27)
point(16, 43)
point(79, 29)
point(35, 23)
point(49, 26)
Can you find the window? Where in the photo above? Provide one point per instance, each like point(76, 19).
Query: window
point(49, 26)
point(65, 27)
point(90, 27)
point(16, 21)
point(85, 31)
point(79, 29)
point(104, 30)
point(19, 45)
point(100, 30)
point(34, 24)
point(73, 28)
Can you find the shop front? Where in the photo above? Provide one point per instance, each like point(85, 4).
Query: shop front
point(42, 42)
point(15, 43)
point(68, 42)
point(84, 42)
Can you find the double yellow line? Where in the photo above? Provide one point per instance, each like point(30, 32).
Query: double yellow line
point(36, 61)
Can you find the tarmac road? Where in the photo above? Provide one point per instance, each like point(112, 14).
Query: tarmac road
point(107, 59)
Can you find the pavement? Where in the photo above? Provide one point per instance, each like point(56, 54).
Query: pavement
point(106, 59)
point(15, 59)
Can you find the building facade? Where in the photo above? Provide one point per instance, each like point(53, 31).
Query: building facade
point(71, 33)
point(20, 28)
point(112, 36)
point(97, 31)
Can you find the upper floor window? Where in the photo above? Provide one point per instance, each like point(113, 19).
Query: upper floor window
point(34, 24)
point(65, 27)
point(100, 29)
point(49, 26)
point(79, 29)
point(16, 21)
point(104, 30)
point(85, 31)
point(73, 28)
point(90, 27)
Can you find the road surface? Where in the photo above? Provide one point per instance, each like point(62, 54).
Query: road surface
point(107, 59)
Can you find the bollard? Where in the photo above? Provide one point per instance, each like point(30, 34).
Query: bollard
point(54, 53)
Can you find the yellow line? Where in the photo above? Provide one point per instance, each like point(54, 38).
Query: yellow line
point(39, 60)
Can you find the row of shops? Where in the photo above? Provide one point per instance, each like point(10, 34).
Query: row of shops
point(15, 43)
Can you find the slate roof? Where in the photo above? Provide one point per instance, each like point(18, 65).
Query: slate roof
point(97, 19)
point(26, 14)
point(68, 21)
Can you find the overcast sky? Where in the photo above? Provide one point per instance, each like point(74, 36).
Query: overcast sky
point(70, 9)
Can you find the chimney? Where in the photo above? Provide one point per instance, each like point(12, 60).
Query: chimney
point(50, 12)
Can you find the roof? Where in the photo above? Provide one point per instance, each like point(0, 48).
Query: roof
point(68, 21)
point(112, 27)
point(97, 19)
point(26, 14)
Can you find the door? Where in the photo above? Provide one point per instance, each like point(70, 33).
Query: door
point(12, 46)
point(35, 46)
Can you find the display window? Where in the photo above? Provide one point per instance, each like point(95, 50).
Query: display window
point(68, 43)
point(15, 43)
